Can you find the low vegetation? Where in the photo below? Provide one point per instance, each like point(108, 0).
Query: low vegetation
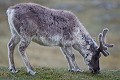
point(58, 74)
point(94, 14)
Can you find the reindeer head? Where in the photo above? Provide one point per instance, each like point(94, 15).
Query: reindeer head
point(103, 48)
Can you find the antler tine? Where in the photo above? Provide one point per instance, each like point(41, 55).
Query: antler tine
point(103, 46)
point(105, 53)
point(104, 34)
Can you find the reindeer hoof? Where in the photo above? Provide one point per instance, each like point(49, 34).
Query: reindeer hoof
point(32, 72)
point(13, 70)
point(75, 70)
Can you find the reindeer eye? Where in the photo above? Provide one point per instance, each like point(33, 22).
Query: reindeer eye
point(96, 58)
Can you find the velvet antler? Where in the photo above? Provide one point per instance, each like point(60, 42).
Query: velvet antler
point(103, 45)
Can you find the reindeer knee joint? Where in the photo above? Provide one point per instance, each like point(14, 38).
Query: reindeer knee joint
point(11, 45)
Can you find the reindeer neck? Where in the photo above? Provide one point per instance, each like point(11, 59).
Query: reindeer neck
point(87, 41)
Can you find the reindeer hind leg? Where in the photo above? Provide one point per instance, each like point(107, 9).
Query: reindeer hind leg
point(22, 47)
point(11, 46)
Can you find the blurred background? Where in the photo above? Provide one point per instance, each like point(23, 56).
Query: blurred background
point(94, 14)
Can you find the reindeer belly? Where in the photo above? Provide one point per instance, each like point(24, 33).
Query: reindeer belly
point(47, 41)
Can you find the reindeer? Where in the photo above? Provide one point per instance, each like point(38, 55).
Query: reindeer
point(49, 27)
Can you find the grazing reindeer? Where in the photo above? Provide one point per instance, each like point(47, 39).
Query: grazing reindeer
point(49, 27)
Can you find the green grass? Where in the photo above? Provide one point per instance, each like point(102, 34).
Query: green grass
point(58, 74)
point(92, 19)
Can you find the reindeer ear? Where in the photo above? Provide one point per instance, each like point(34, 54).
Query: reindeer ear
point(103, 45)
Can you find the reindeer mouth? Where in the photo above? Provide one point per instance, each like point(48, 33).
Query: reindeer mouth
point(94, 71)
